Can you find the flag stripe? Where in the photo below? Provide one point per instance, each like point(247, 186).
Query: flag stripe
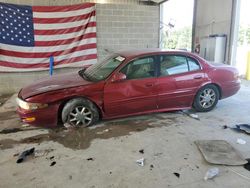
point(63, 25)
point(62, 42)
point(65, 36)
point(41, 65)
point(75, 64)
point(69, 13)
point(62, 8)
point(64, 31)
point(45, 48)
point(47, 54)
point(61, 57)
point(63, 19)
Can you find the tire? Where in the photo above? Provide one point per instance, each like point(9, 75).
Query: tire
point(79, 112)
point(206, 98)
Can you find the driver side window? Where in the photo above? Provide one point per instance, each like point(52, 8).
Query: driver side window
point(140, 68)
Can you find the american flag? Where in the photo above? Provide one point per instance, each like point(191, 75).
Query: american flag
point(29, 36)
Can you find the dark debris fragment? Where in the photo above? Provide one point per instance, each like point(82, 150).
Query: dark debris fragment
point(177, 174)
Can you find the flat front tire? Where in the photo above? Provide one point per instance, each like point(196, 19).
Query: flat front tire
point(79, 112)
point(206, 98)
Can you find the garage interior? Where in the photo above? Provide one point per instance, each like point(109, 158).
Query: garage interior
point(105, 155)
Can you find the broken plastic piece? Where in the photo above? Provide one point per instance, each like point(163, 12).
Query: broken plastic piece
point(24, 154)
point(244, 127)
point(177, 174)
point(211, 173)
point(191, 114)
point(140, 161)
point(53, 163)
point(241, 141)
point(141, 151)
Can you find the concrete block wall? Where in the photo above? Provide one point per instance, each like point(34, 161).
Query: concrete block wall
point(119, 26)
point(214, 17)
point(123, 27)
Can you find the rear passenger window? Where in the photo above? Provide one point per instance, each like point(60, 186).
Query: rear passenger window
point(172, 64)
point(193, 64)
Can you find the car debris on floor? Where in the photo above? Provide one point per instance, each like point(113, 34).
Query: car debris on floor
point(25, 154)
point(141, 162)
point(211, 173)
point(243, 128)
point(220, 152)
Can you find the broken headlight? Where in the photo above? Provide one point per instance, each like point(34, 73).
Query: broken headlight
point(29, 106)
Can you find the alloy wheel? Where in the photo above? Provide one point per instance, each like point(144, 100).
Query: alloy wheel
point(80, 116)
point(207, 98)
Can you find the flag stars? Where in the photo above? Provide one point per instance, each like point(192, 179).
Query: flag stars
point(17, 25)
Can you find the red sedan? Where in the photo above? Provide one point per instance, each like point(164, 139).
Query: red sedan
point(128, 83)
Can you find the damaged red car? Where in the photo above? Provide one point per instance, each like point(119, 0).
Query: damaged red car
point(128, 83)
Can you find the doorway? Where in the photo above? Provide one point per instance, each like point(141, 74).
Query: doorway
point(243, 42)
point(176, 24)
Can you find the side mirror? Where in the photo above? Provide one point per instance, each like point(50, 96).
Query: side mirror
point(118, 77)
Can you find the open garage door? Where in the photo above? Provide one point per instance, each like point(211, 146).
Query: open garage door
point(176, 24)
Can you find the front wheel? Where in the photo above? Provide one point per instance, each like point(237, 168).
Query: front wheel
point(206, 98)
point(79, 112)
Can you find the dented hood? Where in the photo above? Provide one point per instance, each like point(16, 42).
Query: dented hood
point(53, 83)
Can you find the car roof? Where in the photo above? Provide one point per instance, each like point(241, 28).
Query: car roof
point(150, 51)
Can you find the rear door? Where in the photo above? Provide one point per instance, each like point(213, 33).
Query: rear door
point(179, 78)
point(135, 94)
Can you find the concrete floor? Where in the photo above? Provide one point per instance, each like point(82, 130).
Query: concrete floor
point(167, 140)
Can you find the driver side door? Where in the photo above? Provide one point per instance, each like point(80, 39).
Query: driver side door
point(137, 93)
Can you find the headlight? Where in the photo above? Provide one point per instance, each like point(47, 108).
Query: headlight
point(29, 106)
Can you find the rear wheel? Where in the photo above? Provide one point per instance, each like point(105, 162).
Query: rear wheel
point(79, 112)
point(206, 98)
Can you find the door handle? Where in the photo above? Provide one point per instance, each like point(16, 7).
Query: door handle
point(149, 84)
point(198, 77)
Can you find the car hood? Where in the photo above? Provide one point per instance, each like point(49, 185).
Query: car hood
point(53, 83)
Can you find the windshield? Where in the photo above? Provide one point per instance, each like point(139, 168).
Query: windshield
point(102, 70)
